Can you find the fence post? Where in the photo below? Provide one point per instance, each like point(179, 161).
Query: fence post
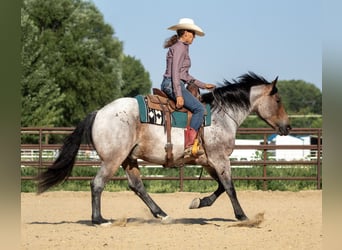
point(40, 148)
point(264, 158)
point(319, 158)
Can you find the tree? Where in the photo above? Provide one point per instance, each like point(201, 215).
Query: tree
point(41, 97)
point(136, 79)
point(300, 97)
point(71, 60)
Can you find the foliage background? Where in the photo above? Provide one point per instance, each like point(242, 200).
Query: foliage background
point(72, 64)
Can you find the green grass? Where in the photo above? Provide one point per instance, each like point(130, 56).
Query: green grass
point(169, 186)
point(276, 171)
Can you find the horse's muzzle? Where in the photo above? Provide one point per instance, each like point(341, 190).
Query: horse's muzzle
point(285, 129)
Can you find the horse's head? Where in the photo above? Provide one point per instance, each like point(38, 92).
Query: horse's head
point(267, 104)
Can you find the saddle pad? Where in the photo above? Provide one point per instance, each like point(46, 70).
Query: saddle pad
point(178, 119)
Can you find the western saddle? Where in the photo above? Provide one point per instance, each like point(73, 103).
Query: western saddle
point(160, 101)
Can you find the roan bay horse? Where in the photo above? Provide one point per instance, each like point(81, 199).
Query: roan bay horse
point(120, 139)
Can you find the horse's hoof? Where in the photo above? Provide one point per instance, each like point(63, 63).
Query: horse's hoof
point(242, 217)
point(167, 220)
point(195, 203)
point(105, 224)
point(100, 221)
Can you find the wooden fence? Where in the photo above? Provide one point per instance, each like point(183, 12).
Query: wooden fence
point(41, 154)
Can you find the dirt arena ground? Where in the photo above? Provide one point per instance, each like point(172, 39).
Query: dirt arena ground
point(61, 220)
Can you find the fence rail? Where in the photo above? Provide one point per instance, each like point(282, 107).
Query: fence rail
point(42, 154)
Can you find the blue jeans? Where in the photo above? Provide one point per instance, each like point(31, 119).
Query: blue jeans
point(190, 102)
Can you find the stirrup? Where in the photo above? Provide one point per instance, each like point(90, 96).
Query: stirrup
point(194, 150)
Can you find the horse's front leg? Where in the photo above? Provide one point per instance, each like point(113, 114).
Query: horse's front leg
point(135, 183)
point(225, 177)
point(208, 200)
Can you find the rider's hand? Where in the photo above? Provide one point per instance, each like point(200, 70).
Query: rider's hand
point(210, 86)
point(180, 102)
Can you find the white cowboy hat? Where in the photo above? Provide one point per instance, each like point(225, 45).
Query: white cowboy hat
point(187, 24)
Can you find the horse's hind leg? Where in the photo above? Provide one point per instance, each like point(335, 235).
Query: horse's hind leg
point(135, 183)
point(97, 186)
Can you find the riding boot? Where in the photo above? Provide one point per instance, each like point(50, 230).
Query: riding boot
point(191, 144)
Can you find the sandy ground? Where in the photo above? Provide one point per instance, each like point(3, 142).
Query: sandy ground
point(61, 220)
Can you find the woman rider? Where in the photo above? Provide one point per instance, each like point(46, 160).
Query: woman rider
point(177, 75)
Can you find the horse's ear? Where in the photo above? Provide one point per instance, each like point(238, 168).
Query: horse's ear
point(275, 81)
point(274, 88)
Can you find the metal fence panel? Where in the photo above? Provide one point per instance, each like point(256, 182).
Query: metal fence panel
point(42, 154)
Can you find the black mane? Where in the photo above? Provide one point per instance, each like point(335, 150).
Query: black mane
point(235, 94)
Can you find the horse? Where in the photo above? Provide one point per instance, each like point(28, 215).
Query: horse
point(120, 139)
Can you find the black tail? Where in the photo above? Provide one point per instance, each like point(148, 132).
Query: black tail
point(62, 167)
